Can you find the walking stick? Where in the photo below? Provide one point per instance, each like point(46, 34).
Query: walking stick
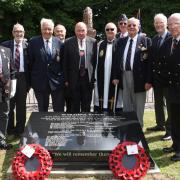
point(115, 96)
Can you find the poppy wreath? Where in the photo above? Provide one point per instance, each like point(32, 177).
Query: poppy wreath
point(140, 168)
point(44, 169)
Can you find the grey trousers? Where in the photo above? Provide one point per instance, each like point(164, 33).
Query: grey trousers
point(132, 101)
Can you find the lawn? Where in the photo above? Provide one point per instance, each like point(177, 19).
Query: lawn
point(169, 169)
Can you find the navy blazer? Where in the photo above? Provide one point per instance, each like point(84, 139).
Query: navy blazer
point(157, 73)
point(171, 66)
point(141, 66)
point(44, 71)
point(10, 44)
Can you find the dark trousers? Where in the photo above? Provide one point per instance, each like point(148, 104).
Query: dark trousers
point(82, 95)
point(175, 124)
point(4, 110)
point(43, 100)
point(18, 101)
point(161, 99)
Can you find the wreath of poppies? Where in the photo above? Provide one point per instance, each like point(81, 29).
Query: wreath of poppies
point(140, 168)
point(45, 161)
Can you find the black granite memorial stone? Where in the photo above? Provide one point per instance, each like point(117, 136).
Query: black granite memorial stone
point(78, 141)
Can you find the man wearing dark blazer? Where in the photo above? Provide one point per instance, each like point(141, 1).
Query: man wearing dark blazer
point(171, 60)
point(7, 74)
point(18, 48)
point(79, 67)
point(46, 68)
point(158, 82)
point(134, 67)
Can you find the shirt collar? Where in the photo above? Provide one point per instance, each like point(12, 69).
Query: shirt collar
point(134, 38)
point(15, 43)
point(49, 40)
point(164, 34)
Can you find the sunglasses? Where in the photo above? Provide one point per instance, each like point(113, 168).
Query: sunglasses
point(133, 25)
point(110, 29)
point(122, 23)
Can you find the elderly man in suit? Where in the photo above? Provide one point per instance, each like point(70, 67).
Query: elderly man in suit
point(79, 68)
point(60, 32)
point(133, 65)
point(158, 82)
point(7, 76)
point(171, 60)
point(18, 48)
point(46, 68)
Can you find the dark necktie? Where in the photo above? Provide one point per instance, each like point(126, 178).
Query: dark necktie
point(82, 60)
point(159, 42)
point(48, 51)
point(174, 45)
point(128, 58)
point(17, 57)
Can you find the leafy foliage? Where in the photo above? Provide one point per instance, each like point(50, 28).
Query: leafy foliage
point(68, 12)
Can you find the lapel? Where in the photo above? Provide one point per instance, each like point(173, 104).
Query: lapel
point(54, 47)
point(88, 48)
point(75, 50)
point(3, 57)
point(42, 50)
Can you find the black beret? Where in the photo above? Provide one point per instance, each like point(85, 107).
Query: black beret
point(123, 17)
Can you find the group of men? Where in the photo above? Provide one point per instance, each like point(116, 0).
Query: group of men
point(120, 69)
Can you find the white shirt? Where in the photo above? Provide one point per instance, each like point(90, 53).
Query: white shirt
point(21, 67)
point(49, 43)
point(132, 51)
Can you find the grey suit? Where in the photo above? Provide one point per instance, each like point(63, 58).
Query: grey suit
point(79, 87)
point(8, 73)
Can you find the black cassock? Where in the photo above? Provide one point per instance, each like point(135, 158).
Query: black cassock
point(100, 69)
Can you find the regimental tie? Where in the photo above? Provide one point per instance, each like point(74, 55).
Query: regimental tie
point(174, 45)
point(128, 57)
point(48, 51)
point(82, 61)
point(159, 42)
point(17, 57)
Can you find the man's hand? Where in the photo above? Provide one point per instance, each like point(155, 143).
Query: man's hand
point(13, 88)
point(148, 86)
point(115, 81)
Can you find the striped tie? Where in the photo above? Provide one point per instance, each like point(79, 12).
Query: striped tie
point(17, 57)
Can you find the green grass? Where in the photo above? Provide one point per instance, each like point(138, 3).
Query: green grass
point(169, 169)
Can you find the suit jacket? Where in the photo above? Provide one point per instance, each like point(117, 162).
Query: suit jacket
point(44, 71)
point(8, 71)
point(157, 73)
point(10, 44)
point(72, 60)
point(141, 66)
point(171, 62)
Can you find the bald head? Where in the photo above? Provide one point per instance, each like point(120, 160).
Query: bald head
point(111, 31)
point(60, 32)
point(81, 30)
point(174, 24)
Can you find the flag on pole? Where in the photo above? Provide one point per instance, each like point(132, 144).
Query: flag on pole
point(138, 16)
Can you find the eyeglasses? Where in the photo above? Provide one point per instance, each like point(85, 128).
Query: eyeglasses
point(110, 29)
point(133, 25)
point(122, 23)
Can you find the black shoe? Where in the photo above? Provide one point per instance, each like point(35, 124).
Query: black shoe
point(156, 128)
point(176, 157)
point(166, 137)
point(168, 150)
point(4, 145)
